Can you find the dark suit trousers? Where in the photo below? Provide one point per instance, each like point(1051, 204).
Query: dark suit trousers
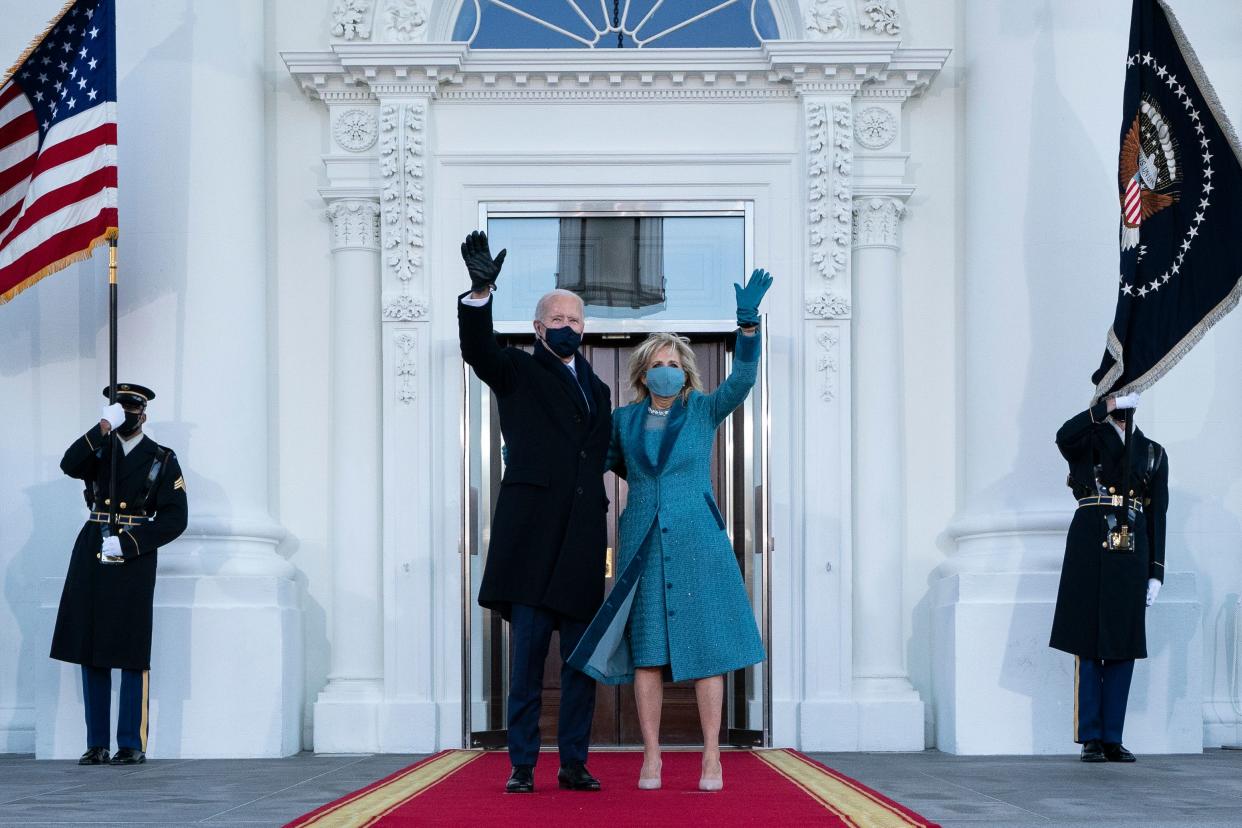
point(131, 720)
point(1103, 687)
point(531, 629)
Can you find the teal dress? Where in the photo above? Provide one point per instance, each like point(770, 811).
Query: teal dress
point(679, 601)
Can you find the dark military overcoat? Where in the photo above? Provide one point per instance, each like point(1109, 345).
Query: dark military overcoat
point(1101, 604)
point(106, 609)
point(549, 529)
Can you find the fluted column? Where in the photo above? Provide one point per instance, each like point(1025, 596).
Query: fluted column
point(879, 664)
point(345, 713)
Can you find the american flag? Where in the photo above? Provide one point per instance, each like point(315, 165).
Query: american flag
point(58, 147)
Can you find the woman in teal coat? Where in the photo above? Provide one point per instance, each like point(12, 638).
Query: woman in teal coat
point(679, 607)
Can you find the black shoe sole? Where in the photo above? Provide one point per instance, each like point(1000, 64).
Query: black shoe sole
point(565, 786)
point(520, 790)
point(1092, 760)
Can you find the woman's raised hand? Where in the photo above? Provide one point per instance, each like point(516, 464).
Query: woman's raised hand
point(749, 297)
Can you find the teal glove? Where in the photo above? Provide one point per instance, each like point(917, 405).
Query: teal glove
point(749, 297)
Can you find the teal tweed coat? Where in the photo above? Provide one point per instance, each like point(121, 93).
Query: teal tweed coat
point(711, 626)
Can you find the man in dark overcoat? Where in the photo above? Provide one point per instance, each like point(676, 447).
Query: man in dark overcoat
point(545, 560)
point(1114, 566)
point(105, 615)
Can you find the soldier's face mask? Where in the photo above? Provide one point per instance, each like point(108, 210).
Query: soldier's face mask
point(133, 422)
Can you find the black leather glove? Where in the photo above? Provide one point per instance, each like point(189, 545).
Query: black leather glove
point(482, 267)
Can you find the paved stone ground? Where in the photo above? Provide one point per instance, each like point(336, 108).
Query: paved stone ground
point(957, 791)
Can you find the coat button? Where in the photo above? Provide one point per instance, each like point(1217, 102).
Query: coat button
point(1112, 490)
point(582, 454)
point(664, 529)
point(672, 613)
point(667, 558)
point(123, 504)
point(579, 490)
point(668, 586)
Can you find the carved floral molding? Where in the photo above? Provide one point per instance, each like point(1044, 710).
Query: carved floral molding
point(829, 169)
point(401, 165)
point(406, 366)
point(877, 220)
point(828, 362)
point(355, 223)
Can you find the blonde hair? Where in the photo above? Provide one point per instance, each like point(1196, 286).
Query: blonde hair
point(652, 345)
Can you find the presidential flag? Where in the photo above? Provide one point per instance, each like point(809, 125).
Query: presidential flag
point(58, 147)
point(1179, 190)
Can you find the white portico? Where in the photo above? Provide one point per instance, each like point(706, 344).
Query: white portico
point(423, 135)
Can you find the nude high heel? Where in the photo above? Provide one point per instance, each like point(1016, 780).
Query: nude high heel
point(709, 784)
point(650, 783)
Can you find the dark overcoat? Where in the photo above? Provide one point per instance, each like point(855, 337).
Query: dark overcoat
point(1101, 603)
point(106, 609)
point(549, 530)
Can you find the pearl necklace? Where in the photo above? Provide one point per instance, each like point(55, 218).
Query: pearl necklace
point(659, 412)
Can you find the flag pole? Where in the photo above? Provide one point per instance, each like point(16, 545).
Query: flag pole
point(116, 439)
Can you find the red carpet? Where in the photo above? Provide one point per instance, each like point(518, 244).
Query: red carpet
point(762, 788)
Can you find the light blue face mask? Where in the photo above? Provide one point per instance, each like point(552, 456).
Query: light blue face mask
point(665, 380)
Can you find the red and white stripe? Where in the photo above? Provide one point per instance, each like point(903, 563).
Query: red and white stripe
point(1133, 209)
point(55, 199)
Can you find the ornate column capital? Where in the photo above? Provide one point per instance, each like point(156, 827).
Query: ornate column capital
point(355, 224)
point(877, 219)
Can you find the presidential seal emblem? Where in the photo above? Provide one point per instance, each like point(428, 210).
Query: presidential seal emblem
point(1148, 170)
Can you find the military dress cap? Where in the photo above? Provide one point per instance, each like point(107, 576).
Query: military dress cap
point(132, 394)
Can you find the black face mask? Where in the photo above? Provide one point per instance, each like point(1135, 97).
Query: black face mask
point(133, 422)
point(563, 341)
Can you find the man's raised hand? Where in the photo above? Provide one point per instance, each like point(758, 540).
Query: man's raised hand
point(483, 269)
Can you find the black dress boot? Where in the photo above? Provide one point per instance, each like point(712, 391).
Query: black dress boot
point(94, 756)
point(1092, 751)
point(576, 777)
point(1116, 752)
point(521, 780)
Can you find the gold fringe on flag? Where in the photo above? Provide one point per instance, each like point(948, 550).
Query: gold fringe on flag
point(60, 264)
point(34, 44)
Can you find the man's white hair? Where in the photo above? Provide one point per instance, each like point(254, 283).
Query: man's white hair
point(546, 299)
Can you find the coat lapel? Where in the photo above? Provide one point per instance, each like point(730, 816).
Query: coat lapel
point(672, 429)
point(564, 380)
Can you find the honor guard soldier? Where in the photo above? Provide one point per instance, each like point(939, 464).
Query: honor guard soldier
point(104, 621)
point(1114, 566)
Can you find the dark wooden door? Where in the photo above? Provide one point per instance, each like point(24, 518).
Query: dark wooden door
point(616, 717)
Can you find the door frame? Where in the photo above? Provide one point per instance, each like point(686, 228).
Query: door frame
point(762, 541)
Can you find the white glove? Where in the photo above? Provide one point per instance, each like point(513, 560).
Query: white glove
point(1126, 401)
point(114, 414)
point(111, 550)
point(1153, 589)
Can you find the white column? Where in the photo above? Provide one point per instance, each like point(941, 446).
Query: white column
point(346, 713)
point(226, 677)
point(881, 683)
point(1037, 300)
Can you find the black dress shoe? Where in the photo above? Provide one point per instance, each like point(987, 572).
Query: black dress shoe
point(1092, 751)
point(94, 756)
point(1116, 752)
point(576, 778)
point(128, 756)
point(522, 780)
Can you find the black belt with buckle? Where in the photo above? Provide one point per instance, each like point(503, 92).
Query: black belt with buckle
point(121, 519)
point(1116, 501)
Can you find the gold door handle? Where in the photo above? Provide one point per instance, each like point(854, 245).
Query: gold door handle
point(608, 562)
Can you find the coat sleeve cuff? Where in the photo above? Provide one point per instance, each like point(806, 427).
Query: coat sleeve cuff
point(1099, 411)
point(746, 348)
point(1157, 571)
point(95, 438)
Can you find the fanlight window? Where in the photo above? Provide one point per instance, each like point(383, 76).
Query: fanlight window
point(614, 24)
